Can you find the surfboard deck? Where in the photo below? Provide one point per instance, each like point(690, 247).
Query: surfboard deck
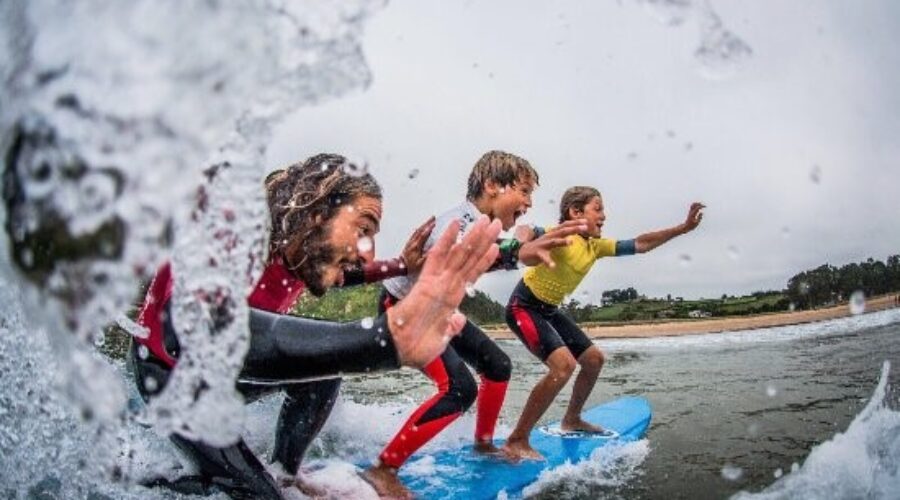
point(463, 474)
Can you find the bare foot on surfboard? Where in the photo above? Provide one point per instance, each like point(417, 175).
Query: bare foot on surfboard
point(489, 449)
point(517, 450)
point(581, 426)
point(386, 483)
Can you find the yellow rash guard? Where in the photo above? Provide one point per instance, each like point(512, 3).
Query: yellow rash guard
point(573, 262)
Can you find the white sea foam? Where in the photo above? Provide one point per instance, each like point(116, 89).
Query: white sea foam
point(608, 466)
point(112, 114)
point(862, 462)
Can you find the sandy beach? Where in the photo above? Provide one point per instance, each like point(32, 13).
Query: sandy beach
point(665, 328)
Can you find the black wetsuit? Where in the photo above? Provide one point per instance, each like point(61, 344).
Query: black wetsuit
point(302, 357)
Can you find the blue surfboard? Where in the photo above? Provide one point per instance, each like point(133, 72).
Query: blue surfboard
point(463, 474)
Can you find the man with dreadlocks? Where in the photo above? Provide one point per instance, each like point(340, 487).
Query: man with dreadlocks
point(320, 210)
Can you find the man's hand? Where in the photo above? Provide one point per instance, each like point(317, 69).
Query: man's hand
point(695, 215)
point(425, 320)
point(414, 252)
point(537, 251)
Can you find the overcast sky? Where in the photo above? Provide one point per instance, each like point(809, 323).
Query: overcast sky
point(794, 148)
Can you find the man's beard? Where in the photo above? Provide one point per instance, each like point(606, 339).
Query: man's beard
point(316, 256)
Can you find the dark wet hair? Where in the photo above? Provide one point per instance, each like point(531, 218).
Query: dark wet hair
point(500, 167)
point(576, 197)
point(303, 198)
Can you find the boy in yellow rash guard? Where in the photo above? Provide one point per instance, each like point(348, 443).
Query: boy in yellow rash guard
point(534, 316)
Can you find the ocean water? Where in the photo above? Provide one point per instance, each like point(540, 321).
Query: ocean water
point(807, 411)
point(105, 103)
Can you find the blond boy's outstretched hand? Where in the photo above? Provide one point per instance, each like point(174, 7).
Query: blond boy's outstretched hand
point(695, 215)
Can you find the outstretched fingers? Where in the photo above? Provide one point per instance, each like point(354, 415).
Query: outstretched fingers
point(467, 253)
point(567, 228)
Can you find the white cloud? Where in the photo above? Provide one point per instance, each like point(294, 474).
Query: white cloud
point(576, 87)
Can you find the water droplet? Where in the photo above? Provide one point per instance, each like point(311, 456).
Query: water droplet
point(502, 190)
point(778, 473)
point(470, 289)
point(733, 252)
point(803, 288)
point(262, 286)
point(771, 390)
point(367, 323)
point(143, 352)
point(792, 307)
point(795, 467)
point(364, 244)
point(382, 343)
point(670, 134)
point(721, 53)
point(284, 282)
point(27, 257)
point(151, 384)
point(402, 265)
point(552, 201)
point(732, 473)
point(688, 146)
point(400, 321)
point(632, 155)
point(413, 173)
point(815, 175)
point(857, 303)
point(384, 268)
point(354, 170)
point(351, 208)
point(753, 429)
point(785, 232)
point(685, 260)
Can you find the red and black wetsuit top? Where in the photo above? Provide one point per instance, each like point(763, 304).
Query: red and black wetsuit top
point(285, 347)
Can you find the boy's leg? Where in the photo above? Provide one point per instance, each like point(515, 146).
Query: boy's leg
point(456, 392)
point(544, 342)
point(591, 359)
point(494, 367)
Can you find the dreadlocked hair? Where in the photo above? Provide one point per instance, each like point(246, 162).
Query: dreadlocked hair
point(305, 196)
point(576, 197)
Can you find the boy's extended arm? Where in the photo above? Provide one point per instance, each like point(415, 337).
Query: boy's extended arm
point(532, 245)
point(648, 241)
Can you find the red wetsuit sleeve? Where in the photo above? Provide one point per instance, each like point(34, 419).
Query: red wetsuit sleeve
point(151, 314)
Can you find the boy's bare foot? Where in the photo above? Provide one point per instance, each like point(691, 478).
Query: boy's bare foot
point(488, 448)
point(520, 450)
point(580, 425)
point(386, 483)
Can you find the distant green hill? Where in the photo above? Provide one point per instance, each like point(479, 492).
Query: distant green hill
point(353, 303)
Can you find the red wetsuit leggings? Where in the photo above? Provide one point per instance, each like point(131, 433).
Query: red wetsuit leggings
point(456, 390)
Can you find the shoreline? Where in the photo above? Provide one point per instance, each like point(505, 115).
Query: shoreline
point(669, 328)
